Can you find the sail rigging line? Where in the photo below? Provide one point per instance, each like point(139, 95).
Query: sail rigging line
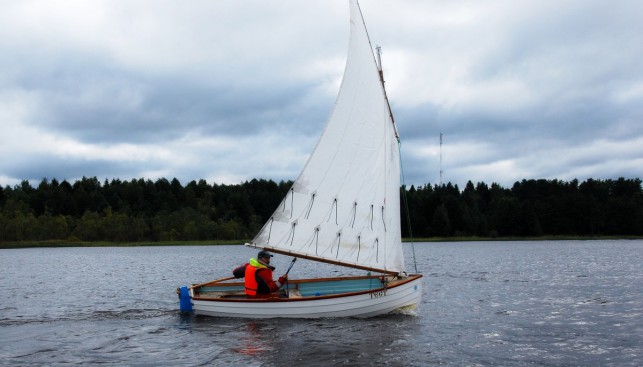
point(291, 233)
point(359, 238)
point(272, 219)
point(316, 240)
point(332, 244)
point(330, 212)
point(294, 224)
point(351, 251)
point(406, 207)
point(313, 237)
point(336, 214)
point(310, 205)
point(354, 214)
point(377, 252)
point(292, 201)
point(383, 220)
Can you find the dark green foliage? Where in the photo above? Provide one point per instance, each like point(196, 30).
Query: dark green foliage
point(530, 208)
point(137, 210)
point(143, 210)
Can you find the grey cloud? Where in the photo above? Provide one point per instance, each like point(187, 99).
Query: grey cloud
point(34, 167)
point(102, 104)
point(533, 84)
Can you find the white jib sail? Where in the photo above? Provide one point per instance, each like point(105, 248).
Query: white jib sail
point(345, 206)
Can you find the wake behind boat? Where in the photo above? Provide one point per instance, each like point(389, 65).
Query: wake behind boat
point(343, 209)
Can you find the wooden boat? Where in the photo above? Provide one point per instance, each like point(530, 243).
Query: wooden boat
point(363, 296)
point(343, 209)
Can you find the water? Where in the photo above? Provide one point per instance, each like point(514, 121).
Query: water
point(576, 303)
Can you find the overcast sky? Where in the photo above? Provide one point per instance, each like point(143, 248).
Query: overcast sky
point(231, 90)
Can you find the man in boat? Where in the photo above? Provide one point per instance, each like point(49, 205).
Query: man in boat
point(259, 283)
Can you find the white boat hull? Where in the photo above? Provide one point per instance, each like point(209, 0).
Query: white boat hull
point(379, 301)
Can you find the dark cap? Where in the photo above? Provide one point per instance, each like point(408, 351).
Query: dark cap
point(263, 254)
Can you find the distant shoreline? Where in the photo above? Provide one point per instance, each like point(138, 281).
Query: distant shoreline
point(513, 238)
point(61, 243)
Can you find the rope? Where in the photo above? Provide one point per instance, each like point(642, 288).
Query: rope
point(354, 214)
point(359, 245)
point(294, 224)
point(310, 205)
point(406, 206)
point(272, 219)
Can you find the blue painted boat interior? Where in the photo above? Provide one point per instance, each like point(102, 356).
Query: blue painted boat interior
point(307, 289)
point(338, 286)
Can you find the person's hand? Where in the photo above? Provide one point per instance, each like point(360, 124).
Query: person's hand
point(283, 278)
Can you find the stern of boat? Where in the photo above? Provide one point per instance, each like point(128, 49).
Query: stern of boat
point(185, 299)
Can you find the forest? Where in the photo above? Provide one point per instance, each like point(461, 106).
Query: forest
point(142, 210)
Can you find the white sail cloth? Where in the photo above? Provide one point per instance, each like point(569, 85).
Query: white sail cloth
point(344, 207)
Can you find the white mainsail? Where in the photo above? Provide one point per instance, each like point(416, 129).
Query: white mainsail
point(344, 207)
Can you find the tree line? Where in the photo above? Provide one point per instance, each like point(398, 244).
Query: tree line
point(529, 208)
point(163, 210)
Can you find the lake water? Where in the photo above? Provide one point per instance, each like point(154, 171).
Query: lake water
point(550, 303)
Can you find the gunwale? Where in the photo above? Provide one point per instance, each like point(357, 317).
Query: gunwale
point(396, 283)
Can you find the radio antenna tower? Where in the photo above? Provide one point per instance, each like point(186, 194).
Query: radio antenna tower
point(441, 171)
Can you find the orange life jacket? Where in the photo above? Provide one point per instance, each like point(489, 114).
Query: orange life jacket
point(251, 281)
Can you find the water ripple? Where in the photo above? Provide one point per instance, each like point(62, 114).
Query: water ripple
point(485, 304)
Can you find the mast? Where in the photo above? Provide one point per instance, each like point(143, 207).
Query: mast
point(378, 53)
point(379, 69)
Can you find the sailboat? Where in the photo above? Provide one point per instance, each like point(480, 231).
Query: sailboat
point(343, 209)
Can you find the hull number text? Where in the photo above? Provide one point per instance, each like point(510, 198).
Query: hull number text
point(377, 294)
